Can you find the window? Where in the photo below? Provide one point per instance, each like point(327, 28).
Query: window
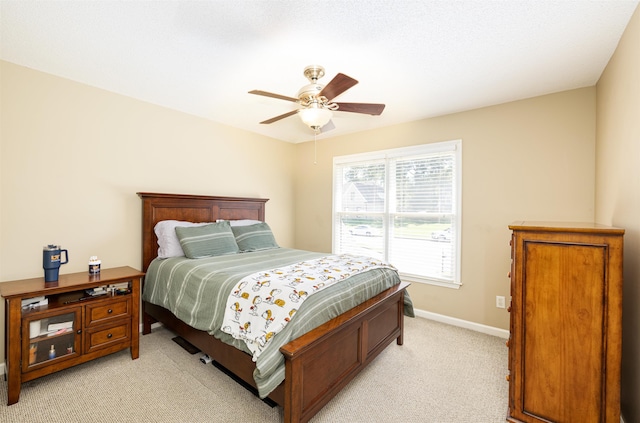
point(402, 206)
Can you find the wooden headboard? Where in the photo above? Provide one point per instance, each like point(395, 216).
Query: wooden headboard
point(191, 208)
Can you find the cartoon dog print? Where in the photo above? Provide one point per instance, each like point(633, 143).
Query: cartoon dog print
point(291, 313)
point(267, 315)
point(296, 296)
point(295, 282)
point(272, 295)
point(253, 310)
point(245, 329)
point(237, 310)
point(262, 341)
point(261, 284)
point(238, 291)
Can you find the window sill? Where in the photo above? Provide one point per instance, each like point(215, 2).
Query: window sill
point(429, 281)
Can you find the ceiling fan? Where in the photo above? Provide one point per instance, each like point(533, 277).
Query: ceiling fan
point(315, 100)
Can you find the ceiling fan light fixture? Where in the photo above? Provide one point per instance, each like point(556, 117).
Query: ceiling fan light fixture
point(315, 116)
point(316, 100)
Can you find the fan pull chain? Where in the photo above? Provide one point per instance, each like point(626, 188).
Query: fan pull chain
point(315, 149)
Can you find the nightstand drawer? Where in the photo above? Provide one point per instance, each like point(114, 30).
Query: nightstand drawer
point(96, 339)
point(103, 312)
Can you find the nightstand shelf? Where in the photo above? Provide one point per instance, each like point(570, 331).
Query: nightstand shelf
point(72, 327)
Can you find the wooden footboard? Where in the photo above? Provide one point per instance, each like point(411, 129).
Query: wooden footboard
point(321, 362)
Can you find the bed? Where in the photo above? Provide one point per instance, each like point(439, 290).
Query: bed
point(317, 364)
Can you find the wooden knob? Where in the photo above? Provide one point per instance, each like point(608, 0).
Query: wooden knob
point(509, 309)
point(509, 275)
point(507, 343)
point(508, 378)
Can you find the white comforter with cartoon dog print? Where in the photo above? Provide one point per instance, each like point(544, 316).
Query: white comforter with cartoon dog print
point(264, 302)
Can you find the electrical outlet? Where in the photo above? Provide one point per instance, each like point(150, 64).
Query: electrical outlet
point(500, 301)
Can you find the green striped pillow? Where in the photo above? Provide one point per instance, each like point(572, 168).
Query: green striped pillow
point(211, 240)
point(254, 237)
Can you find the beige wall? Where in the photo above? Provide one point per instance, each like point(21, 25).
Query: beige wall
point(618, 190)
point(73, 158)
point(531, 159)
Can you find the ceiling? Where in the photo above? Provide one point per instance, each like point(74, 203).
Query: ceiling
point(421, 58)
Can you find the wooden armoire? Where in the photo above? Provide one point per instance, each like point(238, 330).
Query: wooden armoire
point(566, 323)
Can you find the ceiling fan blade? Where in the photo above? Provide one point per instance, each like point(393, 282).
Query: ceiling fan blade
point(268, 94)
point(339, 84)
point(277, 118)
point(365, 108)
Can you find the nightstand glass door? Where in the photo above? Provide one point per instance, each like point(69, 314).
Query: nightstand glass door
point(50, 338)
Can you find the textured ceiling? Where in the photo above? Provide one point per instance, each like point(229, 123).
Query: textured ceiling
point(420, 58)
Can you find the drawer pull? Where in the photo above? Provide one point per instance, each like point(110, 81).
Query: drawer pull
point(79, 331)
point(109, 311)
point(508, 378)
point(109, 336)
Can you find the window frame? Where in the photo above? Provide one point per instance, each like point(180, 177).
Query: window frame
point(454, 146)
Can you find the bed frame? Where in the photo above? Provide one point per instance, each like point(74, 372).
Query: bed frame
point(318, 364)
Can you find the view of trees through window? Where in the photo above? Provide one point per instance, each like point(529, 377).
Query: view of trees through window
point(400, 209)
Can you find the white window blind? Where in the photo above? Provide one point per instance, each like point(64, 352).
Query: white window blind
point(402, 206)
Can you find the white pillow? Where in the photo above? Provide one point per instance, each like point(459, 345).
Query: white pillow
point(168, 243)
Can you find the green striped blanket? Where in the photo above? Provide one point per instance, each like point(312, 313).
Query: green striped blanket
point(196, 291)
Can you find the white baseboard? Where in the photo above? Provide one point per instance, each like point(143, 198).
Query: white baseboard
point(489, 330)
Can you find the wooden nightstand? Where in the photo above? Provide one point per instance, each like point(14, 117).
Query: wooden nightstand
point(72, 327)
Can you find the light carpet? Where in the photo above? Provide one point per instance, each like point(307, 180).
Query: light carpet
point(442, 374)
